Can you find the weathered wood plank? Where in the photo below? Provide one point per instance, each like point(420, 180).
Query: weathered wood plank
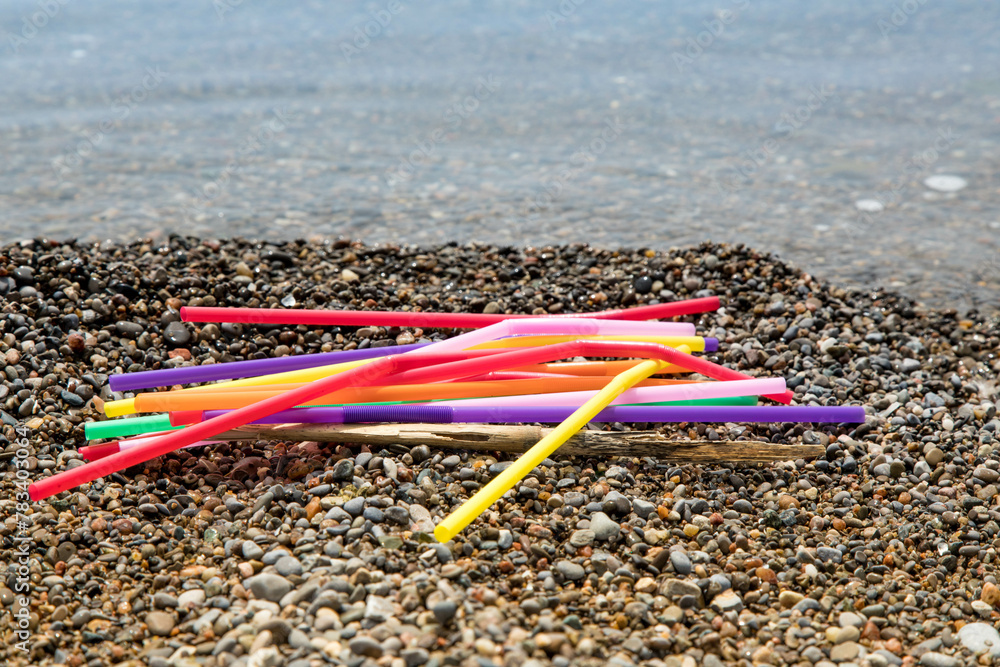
point(519, 438)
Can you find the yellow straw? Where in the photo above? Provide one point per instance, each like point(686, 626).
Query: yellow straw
point(287, 377)
point(489, 494)
point(120, 408)
point(126, 406)
point(694, 343)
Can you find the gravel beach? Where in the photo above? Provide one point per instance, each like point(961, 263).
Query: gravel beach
point(882, 552)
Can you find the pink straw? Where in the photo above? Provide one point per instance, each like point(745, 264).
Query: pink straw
point(408, 365)
point(680, 392)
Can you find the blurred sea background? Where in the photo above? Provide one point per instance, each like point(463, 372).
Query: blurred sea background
point(857, 139)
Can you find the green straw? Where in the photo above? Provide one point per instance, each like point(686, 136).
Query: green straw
point(128, 426)
point(735, 400)
point(118, 428)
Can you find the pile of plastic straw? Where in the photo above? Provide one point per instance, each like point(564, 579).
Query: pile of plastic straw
point(507, 369)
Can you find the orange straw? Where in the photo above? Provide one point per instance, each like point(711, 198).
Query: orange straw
point(594, 368)
point(238, 397)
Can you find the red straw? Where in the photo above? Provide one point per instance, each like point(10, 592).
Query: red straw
point(368, 375)
point(456, 370)
point(360, 376)
point(363, 318)
point(94, 452)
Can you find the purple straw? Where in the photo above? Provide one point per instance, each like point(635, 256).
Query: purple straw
point(240, 369)
point(816, 414)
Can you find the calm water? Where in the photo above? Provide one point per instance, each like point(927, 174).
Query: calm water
point(642, 124)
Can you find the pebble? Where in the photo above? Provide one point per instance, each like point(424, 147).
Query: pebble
point(128, 329)
point(343, 470)
point(615, 503)
point(603, 527)
point(849, 619)
point(945, 183)
point(675, 589)
point(829, 555)
point(727, 601)
point(355, 506)
point(268, 586)
point(379, 609)
point(846, 634)
point(681, 563)
point(643, 508)
point(988, 475)
point(571, 570)
point(845, 652)
point(444, 611)
point(990, 594)
point(935, 659)
point(177, 334)
point(414, 657)
point(163, 600)
point(366, 646)
point(980, 638)
point(192, 598)
point(288, 566)
point(788, 599)
point(160, 623)
point(252, 551)
point(869, 205)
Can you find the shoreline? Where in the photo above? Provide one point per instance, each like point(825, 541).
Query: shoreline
point(982, 312)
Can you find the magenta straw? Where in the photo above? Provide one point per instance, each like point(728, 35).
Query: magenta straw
point(168, 377)
point(816, 414)
point(399, 366)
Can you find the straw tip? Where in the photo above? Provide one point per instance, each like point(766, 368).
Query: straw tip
point(125, 406)
point(442, 534)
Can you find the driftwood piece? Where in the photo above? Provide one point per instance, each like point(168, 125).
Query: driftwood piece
point(519, 438)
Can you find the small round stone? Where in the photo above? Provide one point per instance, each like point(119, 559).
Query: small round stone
point(177, 334)
point(945, 183)
point(570, 570)
point(445, 611)
point(160, 623)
